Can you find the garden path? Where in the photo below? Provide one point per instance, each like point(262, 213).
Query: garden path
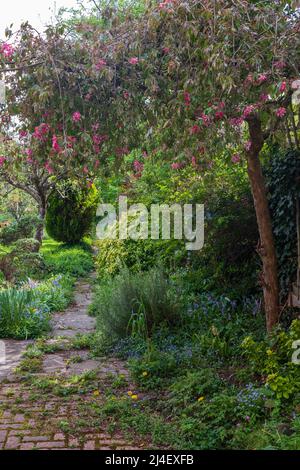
point(55, 406)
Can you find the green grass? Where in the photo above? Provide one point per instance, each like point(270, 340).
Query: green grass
point(75, 260)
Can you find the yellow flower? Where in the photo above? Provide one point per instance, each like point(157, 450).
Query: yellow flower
point(130, 394)
point(134, 397)
point(96, 393)
point(144, 374)
point(201, 399)
point(269, 352)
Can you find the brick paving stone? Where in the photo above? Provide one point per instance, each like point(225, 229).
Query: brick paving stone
point(12, 442)
point(59, 437)
point(27, 446)
point(89, 445)
point(35, 438)
point(50, 445)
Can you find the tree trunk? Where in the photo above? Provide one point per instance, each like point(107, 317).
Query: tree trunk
point(40, 228)
point(267, 246)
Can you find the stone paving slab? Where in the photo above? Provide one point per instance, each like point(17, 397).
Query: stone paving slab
point(13, 353)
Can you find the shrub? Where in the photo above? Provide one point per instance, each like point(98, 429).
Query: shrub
point(28, 245)
point(134, 304)
point(71, 212)
point(18, 265)
point(137, 255)
point(23, 228)
point(272, 359)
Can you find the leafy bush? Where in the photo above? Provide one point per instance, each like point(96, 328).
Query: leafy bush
point(26, 245)
point(23, 228)
point(272, 359)
point(137, 255)
point(18, 265)
point(134, 304)
point(71, 212)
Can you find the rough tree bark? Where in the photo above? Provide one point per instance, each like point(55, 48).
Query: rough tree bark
point(40, 228)
point(267, 249)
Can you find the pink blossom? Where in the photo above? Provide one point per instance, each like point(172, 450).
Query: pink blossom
point(49, 168)
point(138, 166)
point(97, 163)
point(7, 50)
point(133, 60)
point(280, 64)
point(194, 129)
point(236, 122)
point(248, 145)
point(41, 131)
point(55, 145)
point(23, 134)
point(262, 78)
point(2, 160)
point(177, 165)
point(29, 160)
point(187, 98)
point(71, 141)
point(194, 161)
point(282, 87)
point(219, 115)
point(236, 158)
point(101, 64)
point(76, 116)
point(280, 112)
point(264, 97)
point(121, 151)
point(85, 170)
point(125, 95)
point(29, 152)
point(205, 119)
point(248, 110)
point(166, 50)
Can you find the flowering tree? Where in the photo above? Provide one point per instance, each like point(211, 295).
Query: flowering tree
point(203, 78)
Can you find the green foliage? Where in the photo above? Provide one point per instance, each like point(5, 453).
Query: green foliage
point(21, 317)
point(22, 228)
point(283, 182)
point(272, 358)
point(18, 265)
point(76, 260)
point(71, 212)
point(25, 312)
point(130, 298)
point(137, 255)
point(27, 245)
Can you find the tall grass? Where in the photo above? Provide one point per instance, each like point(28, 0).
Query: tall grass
point(134, 304)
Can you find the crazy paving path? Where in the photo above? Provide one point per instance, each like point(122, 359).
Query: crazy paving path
point(54, 399)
